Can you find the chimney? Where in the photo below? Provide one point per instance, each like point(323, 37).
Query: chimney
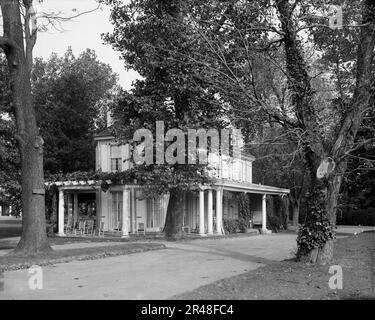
point(109, 119)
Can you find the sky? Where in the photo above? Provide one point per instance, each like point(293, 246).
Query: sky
point(81, 33)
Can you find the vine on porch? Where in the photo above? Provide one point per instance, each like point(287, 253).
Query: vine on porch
point(244, 216)
point(156, 179)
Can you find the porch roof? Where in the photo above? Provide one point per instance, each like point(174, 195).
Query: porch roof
point(225, 184)
point(75, 185)
point(251, 187)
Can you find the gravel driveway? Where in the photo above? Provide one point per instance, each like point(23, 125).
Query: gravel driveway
point(182, 267)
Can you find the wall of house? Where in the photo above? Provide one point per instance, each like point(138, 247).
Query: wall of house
point(103, 155)
point(230, 206)
point(150, 212)
point(223, 167)
point(239, 170)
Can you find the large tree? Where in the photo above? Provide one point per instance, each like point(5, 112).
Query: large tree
point(170, 91)
point(324, 194)
point(71, 95)
point(19, 35)
point(17, 42)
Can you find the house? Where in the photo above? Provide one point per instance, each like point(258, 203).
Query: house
point(5, 210)
point(121, 209)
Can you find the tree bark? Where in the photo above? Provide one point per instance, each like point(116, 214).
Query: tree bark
point(175, 215)
point(30, 143)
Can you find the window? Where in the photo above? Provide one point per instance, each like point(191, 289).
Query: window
point(116, 160)
point(116, 164)
point(155, 213)
point(116, 217)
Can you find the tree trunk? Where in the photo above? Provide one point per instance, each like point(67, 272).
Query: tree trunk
point(34, 236)
point(295, 208)
point(333, 193)
point(16, 35)
point(175, 215)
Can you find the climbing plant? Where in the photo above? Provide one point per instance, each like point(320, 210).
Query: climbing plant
point(244, 207)
point(318, 230)
point(155, 179)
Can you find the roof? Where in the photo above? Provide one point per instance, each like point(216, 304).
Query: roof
point(106, 133)
point(251, 187)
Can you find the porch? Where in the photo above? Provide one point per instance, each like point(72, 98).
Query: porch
point(85, 209)
point(120, 211)
point(218, 203)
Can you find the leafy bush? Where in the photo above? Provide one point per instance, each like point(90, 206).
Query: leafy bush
point(229, 226)
point(274, 223)
point(234, 225)
point(363, 217)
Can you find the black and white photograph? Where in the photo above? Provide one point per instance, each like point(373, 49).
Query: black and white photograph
point(187, 154)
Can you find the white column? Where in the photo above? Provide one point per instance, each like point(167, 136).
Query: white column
point(219, 211)
point(201, 213)
point(98, 200)
point(125, 213)
point(134, 203)
point(264, 213)
point(75, 207)
point(60, 215)
point(210, 213)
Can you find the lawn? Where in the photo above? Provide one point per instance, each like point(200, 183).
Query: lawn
point(14, 262)
point(292, 280)
point(10, 228)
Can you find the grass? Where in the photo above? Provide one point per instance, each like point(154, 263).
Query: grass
point(15, 262)
point(291, 280)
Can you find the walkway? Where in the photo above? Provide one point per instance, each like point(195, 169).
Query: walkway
point(160, 274)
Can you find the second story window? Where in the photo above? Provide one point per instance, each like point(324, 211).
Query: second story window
point(116, 160)
point(116, 164)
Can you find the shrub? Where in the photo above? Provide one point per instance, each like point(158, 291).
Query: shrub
point(229, 226)
point(234, 225)
point(273, 223)
point(364, 217)
point(242, 225)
